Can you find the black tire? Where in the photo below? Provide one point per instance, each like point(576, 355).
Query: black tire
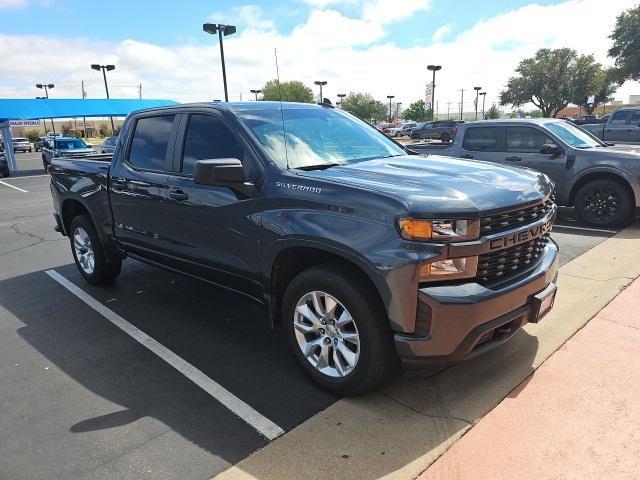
point(377, 357)
point(415, 136)
point(445, 138)
point(103, 272)
point(604, 203)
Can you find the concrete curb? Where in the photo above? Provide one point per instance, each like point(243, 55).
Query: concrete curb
point(400, 430)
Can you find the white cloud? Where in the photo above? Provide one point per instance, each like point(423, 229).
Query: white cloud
point(442, 32)
point(386, 11)
point(7, 4)
point(350, 53)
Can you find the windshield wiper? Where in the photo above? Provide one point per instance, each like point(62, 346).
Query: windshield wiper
point(320, 166)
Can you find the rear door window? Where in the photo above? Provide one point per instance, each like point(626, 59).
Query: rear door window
point(150, 142)
point(525, 139)
point(481, 139)
point(635, 117)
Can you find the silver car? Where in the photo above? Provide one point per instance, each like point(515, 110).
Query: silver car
point(21, 144)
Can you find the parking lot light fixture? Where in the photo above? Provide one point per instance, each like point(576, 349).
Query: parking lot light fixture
point(320, 83)
point(434, 69)
point(256, 92)
point(390, 97)
point(477, 89)
point(484, 97)
point(341, 97)
point(105, 69)
point(46, 87)
point(221, 30)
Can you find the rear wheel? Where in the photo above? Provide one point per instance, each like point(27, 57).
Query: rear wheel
point(445, 138)
point(88, 253)
point(604, 203)
point(338, 331)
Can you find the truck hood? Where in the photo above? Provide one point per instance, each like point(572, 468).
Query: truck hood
point(619, 149)
point(436, 185)
point(75, 151)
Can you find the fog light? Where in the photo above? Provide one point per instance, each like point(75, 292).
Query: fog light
point(449, 269)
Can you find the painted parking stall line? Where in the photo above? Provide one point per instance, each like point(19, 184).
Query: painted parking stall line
point(584, 229)
point(14, 187)
point(241, 409)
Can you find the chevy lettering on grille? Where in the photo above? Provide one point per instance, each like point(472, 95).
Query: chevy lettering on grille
point(521, 237)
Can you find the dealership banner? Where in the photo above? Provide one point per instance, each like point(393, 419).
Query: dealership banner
point(24, 123)
point(428, 95)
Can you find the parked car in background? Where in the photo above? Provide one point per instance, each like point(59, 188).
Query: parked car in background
point(21, 144)
point(600, 180)
point(65, 147)
point(623, 126)
point(39, 143)
point(402, 129)
point(52, 134)
point(109, 145)
point(443, 130)
point(584, 119)
point(366, 255)
point(4, 165)
point(384, 127)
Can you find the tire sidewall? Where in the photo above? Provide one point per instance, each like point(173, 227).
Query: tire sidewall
point(97, 276)
point(620, 220)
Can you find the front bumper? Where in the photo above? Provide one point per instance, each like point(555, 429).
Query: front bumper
point(469, 318)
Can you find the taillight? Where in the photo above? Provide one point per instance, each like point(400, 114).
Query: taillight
point(50, 169)
point(454, 130)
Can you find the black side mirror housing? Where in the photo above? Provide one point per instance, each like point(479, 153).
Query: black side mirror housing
point(221, 171)
point(550, 149)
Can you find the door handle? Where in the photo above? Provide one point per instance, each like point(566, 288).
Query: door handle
point(513, 159)
point(466, 156)
point(178, 195)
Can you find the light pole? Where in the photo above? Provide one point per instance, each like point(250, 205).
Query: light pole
point(390, 97)
point(46, 87)
point(448, 109)
point(256, 92)
point(221, 30)
point(320, 83)
point(484, 97)
point(105, 69)
point(341, 97)
point(434, 69)
point(398, 106)
point(477, 89)
point(461, 102)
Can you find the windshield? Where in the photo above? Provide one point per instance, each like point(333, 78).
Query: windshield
point(574, 136)
point(72, 144)
point(317, 136)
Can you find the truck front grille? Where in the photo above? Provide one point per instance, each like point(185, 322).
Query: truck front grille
point(503, 221)
point(509, 262)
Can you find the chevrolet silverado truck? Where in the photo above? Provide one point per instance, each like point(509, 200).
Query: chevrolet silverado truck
point(64, 147)
point(364, 253)
point(623, 126)
point(601, 181)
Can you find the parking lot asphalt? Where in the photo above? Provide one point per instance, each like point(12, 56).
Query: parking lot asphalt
point(80, 398)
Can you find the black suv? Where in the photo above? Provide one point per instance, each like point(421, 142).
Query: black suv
point(443, 130)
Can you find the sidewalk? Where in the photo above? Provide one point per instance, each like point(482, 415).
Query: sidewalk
point(576, 417)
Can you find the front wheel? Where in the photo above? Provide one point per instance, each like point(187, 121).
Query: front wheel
point(88, 253)
point(604, 203)
point(338, 330)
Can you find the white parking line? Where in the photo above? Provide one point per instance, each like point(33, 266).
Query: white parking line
point(585, 229)
point(30, 176)
point(245, 412)
point(13, 186)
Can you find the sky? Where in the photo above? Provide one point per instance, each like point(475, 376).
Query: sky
point(376, 46)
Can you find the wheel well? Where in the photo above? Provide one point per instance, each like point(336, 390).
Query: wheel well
point(292, 261)
point(70, 209)
point(600, 176)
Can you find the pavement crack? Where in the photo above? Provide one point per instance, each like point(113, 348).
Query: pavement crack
point(444, 417)
point(597, 279)
point(621, 324)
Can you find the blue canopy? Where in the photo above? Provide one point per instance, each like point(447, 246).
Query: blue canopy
point(31, 109)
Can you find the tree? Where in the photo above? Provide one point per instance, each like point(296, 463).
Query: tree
point(626, 45)
point(493, 113)
point(551, 80)
point(417, 112)
point(33, 135)
point(293, 91)
point(535, 114)
point(602, 86)
point(364, 106)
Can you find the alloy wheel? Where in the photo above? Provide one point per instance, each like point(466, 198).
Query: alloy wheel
point(84, 250)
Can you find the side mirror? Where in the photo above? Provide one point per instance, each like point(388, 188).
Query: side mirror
point(550, 149)
point(221, 171)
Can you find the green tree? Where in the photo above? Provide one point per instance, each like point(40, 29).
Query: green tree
point(535, 114)
point(626, 45)
point(293, 91)
point(417, 111)
point(364, 106)
point(551, 80)
point(33, 135)
point(104, 130)
point(493, 113)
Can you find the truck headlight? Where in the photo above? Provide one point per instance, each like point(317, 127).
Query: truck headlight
point(449, 269)
point(439, 230)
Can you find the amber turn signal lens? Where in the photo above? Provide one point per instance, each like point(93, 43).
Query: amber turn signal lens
point(416, 229)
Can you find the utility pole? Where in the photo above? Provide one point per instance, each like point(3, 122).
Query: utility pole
point(484, 97)
point(140, 91)
point(461, 102)
point(448, 110)
point(477, 89)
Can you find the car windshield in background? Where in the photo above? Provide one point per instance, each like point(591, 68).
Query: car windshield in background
point(70, 144)
point(573, 136)
point(317, 137)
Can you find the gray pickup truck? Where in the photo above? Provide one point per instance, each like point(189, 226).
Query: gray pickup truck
point(623, 126)
point(602, 181)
